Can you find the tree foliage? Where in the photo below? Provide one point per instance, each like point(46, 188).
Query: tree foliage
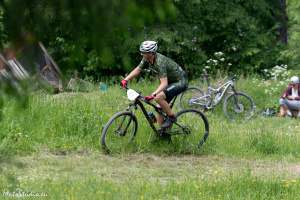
point(101, 38)
point(85, 35)
point(246, 31)
point(293, 50)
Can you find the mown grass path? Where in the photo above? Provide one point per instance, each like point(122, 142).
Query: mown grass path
point(144, 166)
point(90, 175)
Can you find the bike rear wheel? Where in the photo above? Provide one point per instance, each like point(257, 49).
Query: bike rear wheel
point(238, 106)
point(191, 99)
point(119, 132)
point(190, 130)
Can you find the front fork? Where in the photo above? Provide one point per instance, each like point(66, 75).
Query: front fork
point(120, 130)
point(233, 89)
point(235, 97)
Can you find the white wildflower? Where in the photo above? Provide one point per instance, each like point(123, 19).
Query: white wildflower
point(219, 53)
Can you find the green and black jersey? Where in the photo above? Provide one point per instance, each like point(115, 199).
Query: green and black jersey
point(166, 68)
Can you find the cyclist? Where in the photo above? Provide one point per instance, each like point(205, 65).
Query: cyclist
point(173, 79)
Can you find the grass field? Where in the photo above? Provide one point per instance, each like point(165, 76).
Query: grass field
point(52, 147)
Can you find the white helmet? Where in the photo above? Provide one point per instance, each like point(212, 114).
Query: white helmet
point(295, 79)
point(148, 47)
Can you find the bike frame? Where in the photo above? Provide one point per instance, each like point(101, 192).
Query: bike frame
point(140, 102)
point(224, 87)
point(210, 90)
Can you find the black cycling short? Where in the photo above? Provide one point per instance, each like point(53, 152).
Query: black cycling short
point(174, 89)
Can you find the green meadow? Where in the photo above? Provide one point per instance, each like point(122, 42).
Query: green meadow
point(51, 148)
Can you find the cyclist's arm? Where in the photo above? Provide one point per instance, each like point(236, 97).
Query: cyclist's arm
point(163, 85)
point(133, 73)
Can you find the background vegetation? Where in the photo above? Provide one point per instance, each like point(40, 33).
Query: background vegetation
point(102, 38)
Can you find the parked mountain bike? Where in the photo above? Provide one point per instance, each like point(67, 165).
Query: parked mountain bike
point(237, 105)
point(122, 127)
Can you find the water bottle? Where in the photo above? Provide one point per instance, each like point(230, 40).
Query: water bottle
point(102, 87)
point(152, 117)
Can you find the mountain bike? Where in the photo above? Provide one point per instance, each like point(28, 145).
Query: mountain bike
point(237, 105)
point(121, 129)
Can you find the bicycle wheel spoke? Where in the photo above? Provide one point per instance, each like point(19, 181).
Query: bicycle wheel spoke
point(239, 106)
point(193, 98)
point(190, 130)
point(119, 133)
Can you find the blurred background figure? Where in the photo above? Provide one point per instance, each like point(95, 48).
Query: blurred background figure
point(29, 59)
point(290, 99)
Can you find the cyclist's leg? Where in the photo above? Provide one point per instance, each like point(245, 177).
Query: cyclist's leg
point(163, 102)
point(166, 96)
point(159, 118)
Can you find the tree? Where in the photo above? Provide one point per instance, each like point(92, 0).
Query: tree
point(292, 53)
point(283, 20)
point(86, 35)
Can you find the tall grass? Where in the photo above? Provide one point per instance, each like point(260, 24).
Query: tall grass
point(73, 122)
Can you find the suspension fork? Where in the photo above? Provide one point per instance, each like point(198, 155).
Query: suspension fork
point(129, 109)
point(130, 120)
point(123, 121)
point(236, 100)
point(233, 89)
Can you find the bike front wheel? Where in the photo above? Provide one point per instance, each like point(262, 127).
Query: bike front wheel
point(119, 132)
point(238, 106)
point(193, 98)
point(193, 126)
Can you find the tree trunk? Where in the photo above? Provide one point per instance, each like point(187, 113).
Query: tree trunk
point(283, 19)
